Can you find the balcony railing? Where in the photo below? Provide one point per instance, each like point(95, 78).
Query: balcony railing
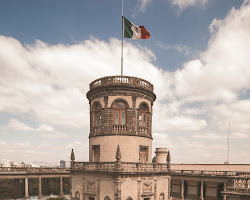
point(124, 167)
point(119, 128)
point(122, 80)
point(33, 170)
point(142, 130)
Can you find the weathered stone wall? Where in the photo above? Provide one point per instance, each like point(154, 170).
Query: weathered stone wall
point(120, 187)
point(129, 146)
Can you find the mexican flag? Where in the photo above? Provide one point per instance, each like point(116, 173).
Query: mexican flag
point(135, 32)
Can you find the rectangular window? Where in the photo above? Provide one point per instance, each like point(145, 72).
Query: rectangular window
point(144, 120)
point(96, 153)
point(116, 117)
point(123, 119)
point(143, 154)
point(140, 119)
point(96, 119)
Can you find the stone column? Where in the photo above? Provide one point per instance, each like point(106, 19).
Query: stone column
point(40, 188)
point(118, 183)
point(225, 189)
point(61, 186)
point(182, 189)
point(26, 188)
point(201, 192)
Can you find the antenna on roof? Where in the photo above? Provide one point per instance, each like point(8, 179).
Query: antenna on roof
point(228, 144)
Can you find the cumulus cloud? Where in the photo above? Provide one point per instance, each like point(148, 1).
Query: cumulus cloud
point(143, 4)
point(182, 4)
point(48, 84)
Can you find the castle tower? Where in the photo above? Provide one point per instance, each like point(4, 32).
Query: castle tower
point(120, 145)
point(120, 114)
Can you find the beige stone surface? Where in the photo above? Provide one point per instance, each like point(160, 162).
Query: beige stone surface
point(129, 146)
point(127, 98)
point(107, 189)
point(100, 99)
point(161, 155)
point(162, 187)
point(129, 188)
point(140, 100)
point(212, 167)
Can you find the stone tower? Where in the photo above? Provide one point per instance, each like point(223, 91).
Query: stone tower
point(120, 114)
point(120, 145)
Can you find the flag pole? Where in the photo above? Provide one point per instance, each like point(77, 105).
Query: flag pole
point(122, 41)
point(228, 141)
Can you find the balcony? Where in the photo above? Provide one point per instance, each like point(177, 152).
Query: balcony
point(122, 80)
point(119, 128)
point(124, 166)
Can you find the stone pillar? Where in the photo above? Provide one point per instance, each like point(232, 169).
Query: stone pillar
point(182, 189)
point(26, 188)
point(201, 192)
point(225, 189)
point(61, 186)
point(40, 188)
point(118, 184)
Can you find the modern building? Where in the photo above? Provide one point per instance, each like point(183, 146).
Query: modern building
point(6, 163)
point(120, 145)
point(62, 164)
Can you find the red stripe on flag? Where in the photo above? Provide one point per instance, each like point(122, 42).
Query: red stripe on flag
point(144, 33)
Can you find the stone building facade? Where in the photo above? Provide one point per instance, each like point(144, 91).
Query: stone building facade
point(120, 145)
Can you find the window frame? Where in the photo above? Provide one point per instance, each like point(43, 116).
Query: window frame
point(120, 111)
point(97, 117)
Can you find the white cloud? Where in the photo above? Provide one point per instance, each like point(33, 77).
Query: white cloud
point(177, 47)
point(143, 4)
point(14, 124)
point(48, 83)
point(182, 4)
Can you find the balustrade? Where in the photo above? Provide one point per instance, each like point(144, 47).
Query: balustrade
point(122, 80)
point(119, 128)
point(125, 166)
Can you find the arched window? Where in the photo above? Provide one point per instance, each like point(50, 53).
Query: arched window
point(97, 114)
point(161, 196)
point(129, 198)
point(143, 110)
point(119, 113)
point(77, 195)
point(107, 198)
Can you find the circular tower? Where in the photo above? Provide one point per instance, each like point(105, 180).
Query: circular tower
point(120, 114)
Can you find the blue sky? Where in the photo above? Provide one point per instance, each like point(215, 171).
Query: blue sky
point(196, 58)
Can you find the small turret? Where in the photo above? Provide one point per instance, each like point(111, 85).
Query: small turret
point(169, 161)
point(118, 153)
point(72, 157)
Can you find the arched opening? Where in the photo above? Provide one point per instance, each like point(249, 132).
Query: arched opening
point(77, 195)
point(129, 198)
point(162, 196)
point(97, 114)
point(107, 198)
point(120, 113)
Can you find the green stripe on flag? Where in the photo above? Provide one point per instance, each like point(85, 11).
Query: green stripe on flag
point(128, 33)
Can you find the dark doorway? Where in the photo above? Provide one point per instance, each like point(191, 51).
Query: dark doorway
point(220, 188)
